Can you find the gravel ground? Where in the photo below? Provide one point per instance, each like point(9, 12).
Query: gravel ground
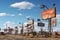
point(18, 37)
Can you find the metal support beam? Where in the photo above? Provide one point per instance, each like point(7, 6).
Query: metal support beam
point(49, 26)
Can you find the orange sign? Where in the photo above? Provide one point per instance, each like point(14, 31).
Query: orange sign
point(50, 13)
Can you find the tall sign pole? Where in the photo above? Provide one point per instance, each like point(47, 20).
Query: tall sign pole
point(40, 24)
point(48, 15)
point(6, 27)
point(21, 27)
point(49, 26)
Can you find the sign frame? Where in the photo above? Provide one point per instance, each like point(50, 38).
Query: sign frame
point(51, 17)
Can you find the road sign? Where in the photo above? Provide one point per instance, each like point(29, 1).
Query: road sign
point(40, 24)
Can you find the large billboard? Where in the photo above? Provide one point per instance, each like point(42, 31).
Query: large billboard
point(49, 13)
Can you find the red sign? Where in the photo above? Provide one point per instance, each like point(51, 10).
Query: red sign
point(50, 13)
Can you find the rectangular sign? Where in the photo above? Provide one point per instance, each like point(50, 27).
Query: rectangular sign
point(50, 13)
point(41, 24)
point(53, 22)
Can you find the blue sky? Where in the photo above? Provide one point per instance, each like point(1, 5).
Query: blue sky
point(15, 11)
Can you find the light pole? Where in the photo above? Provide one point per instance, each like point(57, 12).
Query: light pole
point(41, 25)
point(6, 27)
point(21, 27)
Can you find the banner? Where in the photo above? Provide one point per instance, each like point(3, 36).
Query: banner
point(50, 13)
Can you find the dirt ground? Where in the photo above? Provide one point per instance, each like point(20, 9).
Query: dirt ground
point(18, 37)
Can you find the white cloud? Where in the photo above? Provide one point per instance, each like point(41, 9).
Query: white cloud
point(27, 16)
point(56, 29)
point(3, 14)
point(12, 15)
point(25, 23)
point(20, 14)
point(58, 17)
point(23, 5)
point(9, 23)
point(35, 23)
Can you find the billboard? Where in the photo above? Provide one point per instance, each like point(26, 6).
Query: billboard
point(41, 24)
point(53, 22)
point(31, 21)
point(49, 13)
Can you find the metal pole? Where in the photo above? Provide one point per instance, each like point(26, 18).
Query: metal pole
point(49, 26)
point(41, 30)
point(6, 28)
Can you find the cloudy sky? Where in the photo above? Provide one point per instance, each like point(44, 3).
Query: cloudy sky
point(15, 11)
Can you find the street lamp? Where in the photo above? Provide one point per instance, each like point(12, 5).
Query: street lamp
point(54, 4)
point(42, 6)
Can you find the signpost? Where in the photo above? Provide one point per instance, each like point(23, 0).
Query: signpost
point(40, 24)
point(48, 15)
point(21, 27)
